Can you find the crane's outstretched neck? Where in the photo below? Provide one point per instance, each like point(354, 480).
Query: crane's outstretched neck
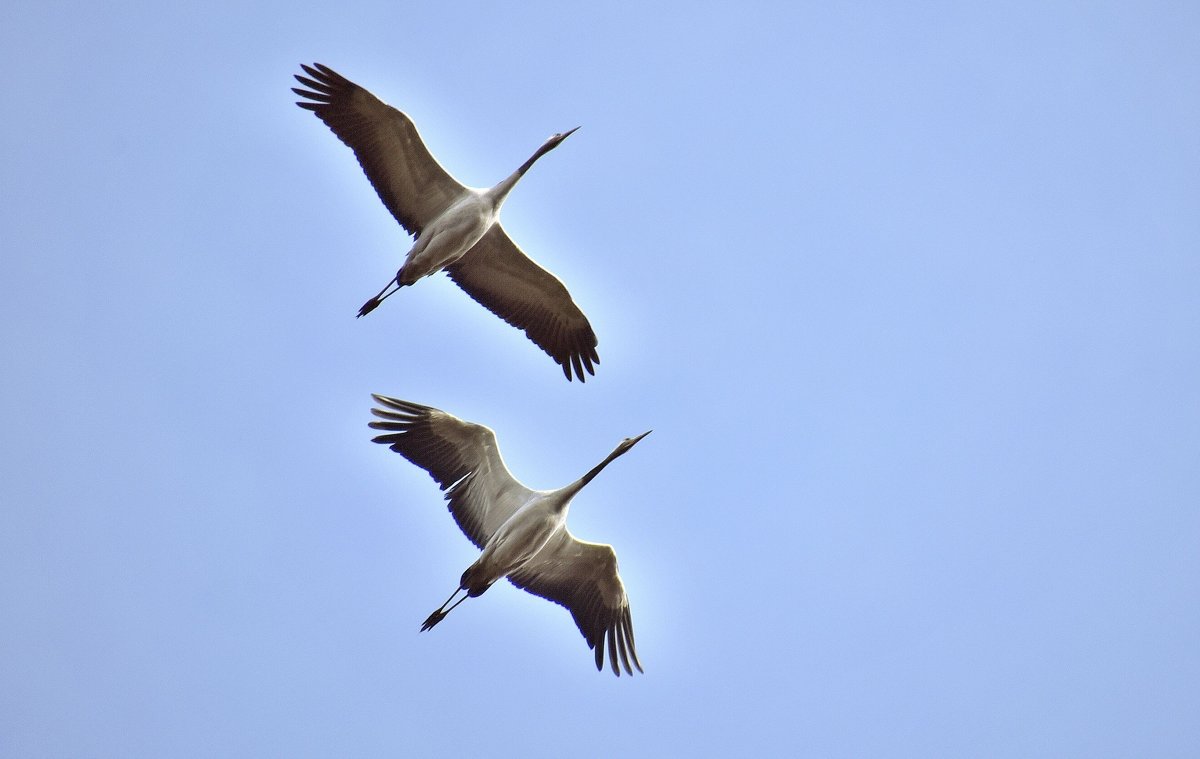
point(498, 193)
point(621, 449)
point(591, 475)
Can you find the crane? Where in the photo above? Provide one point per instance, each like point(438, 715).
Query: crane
point(522, 532)
point(457, 228)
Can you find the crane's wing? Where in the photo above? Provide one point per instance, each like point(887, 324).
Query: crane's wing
point(509, 284)
point(463, 458)
point(409, 180)
point(583, 577)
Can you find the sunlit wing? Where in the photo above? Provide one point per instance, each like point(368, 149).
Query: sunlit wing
point(409, 180)
point(463, 458)
point(583, 577)
point(509, 284)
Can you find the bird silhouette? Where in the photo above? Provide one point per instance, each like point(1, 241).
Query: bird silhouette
point(522, 532)
point(457, 228)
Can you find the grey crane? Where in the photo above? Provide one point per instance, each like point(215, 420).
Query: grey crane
point(522, 532)
point(457, 228)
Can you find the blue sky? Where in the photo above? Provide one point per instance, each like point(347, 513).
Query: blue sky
point(910, 296)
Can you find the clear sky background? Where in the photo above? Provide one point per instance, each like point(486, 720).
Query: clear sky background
point(909, 293)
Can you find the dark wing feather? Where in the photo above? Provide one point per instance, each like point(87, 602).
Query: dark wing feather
point(409, 180)
point(463, 458)
point(509, 284)
point(583, 577)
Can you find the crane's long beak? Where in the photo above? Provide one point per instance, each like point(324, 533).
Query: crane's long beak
point(567, 134)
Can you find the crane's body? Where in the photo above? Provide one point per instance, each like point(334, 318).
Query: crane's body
point(448, 237)
point(517, 541)
point(457, 228)
point(522, 533)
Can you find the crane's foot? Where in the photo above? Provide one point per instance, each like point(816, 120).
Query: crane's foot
point(368, 307)
point(433, 619)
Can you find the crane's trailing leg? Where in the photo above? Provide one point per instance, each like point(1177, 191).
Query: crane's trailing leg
point(380, 297)
point(442, 611)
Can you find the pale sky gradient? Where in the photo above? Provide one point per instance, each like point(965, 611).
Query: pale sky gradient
point(910, 294)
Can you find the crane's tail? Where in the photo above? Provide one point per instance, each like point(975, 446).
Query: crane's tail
point(442, 611)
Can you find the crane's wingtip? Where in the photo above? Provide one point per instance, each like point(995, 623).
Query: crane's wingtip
point(578, 367)
point(409, 411)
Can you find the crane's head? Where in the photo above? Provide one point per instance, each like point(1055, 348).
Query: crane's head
point(554, 140)
point(550, 144)
point(622, 447)
point(630, 442)
point(564, 135)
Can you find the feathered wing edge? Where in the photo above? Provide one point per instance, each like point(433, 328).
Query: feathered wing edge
point(583, 578)
point(413, 186)
point(499, 276)
point(462, 457)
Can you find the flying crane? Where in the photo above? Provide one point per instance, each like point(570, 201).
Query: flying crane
point(457, 228)
point(522, 532)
